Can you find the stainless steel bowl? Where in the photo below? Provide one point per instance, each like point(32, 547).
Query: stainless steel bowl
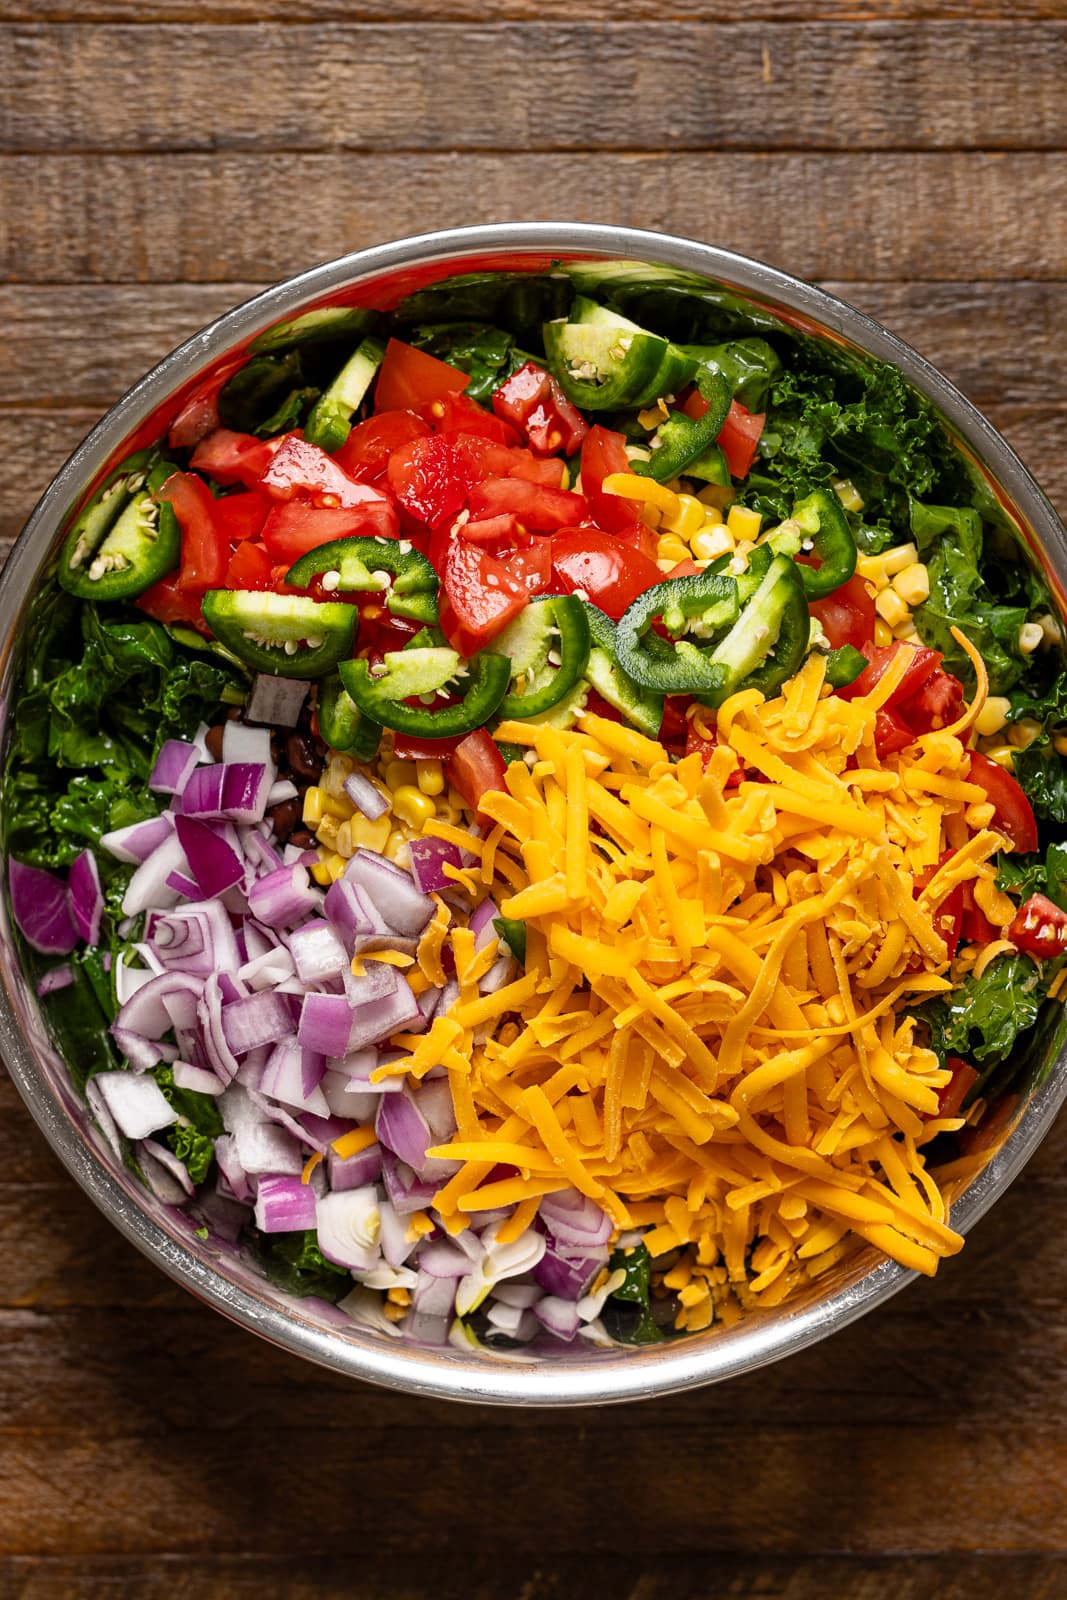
point(379, 277)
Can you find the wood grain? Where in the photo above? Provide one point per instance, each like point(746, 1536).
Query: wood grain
point(842, 86)
point(199, 218)
point(80, 345)
point(460, 12)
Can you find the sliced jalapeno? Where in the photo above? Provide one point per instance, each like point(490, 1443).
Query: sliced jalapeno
point(383, 698)
point(365, 565)
point(703, 604)
point(342, 724)
point(124, 541)
point(548, 644)
point(286, 634)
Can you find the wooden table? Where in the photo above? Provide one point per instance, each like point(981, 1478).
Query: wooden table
point(161, 159)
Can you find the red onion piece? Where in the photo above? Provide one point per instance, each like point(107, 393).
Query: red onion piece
point(353, 1172)
point(284, 1205)
point(136, 1102)
point(366, 796)
point(394, 895)
point(347, 1100)
point(167, 1159)
point(380, 1018)
point(202, 795)
point(136, 842)
point(40, 904)
point(255, 1020)
point(147, 1013)
point(277, 701)
point(568, 1275)
point(142, 1054)
point(229, 1164)
point(213, 855)
point(149, 889)
point(246, 785)
point(481, 924)
point(559, 1316)
point(174, 766)
point(348, 1225)
point(283, 897)
point(198, 939)
point(292, 1075)
point(407, 1192)
point(86, 896)
point(434, 1297)
point(402, 1128)
point(198, 1079)
point(394, 1241)
point(317, 952)
point(574, 1221)
point(325, 1023)
point(209, 1016)
point(428, 860)
point(245, 745)
point(443, 1259)
point(260, 1145)
point(55, 978)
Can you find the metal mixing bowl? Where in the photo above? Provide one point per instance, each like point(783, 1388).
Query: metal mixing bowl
point(379, 278)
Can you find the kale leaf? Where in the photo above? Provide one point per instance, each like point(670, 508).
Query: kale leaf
point(194, 1149)
point(627, 1314)
point(982, 1019)
point(949, 541)
point(488, 354)
point(1024, 875)
point(295, 1263)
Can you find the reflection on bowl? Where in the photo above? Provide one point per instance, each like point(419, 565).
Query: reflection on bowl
point(220, 1272)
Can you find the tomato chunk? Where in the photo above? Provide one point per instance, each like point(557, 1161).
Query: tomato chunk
point(739, 437)
point(963, 1079)
point(454, 413)
point(250, 567)
point(609, 573)
point(1014, 815)
point(234, 457)
point(534, 403)
point(365, 453)
point(165, 602)
point(302, 469)
point(475, 767)
point(241, 516)
point(409, 379)
point(539, 507)
point(205, 550)
point(428, 479)
point(847, 615)
point(294, 527)
point(1039, 928)
point(478, 596)
point(604, 453)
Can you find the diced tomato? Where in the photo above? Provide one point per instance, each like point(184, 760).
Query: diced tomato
point(409, 379)
point(963, 1079)
point(739, 437)
point(674, 724)
point(935, 704)
point(540, 508)
point(611, 574)
point(705, 744)
point(167, 603)
point(406, 748)
point(693, 404)
point(533, 402)
point(975, 927)
point(890, 733)
point(482, 457)
point(684, 569)
point(379, 630)
point(455, 413)
point(532, 565)
point(478, 596)
point(603, 454)
point(205, 551)
point(1039, 928)
point(429, 480)
point(198, 417)
point(847, 615)
point(496, 533)
point(250, 567)
point(365, 453)
point(241, 516)
point(302, 469)
point(1013, 813)
point(294, 527)
point(475, 767)
point(921, 664)
point(234, 457)
point(546, 470)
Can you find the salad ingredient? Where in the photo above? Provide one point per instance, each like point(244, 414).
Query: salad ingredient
point(548, 646)
point(384, 698)
point(125, 539)
point(284, 634)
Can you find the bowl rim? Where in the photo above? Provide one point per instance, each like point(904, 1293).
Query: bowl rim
point(634, 1374)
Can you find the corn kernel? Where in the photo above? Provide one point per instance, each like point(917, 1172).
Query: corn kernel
point(743, 523)
point(1050, 629)
point(321, 873)
point(913, 584)
point(313, 807)
point(399, 773)
point(880, 569)
point(711, 542)
point(631, 486)
point(1023, 732)
point(672, 549)
point(1031, 634)
point(336, 864)
point(848, 494)
point(332, 781)
point(340, 810)
point(411, 805)
point(688, 520)
point(1003, 755)
point(883, 634)
point(907, 632)
point(716, 495)
point(431, 778)
point(326, 830)
point(890, 607)
point(343, 842)
point(369, 835)
point(396, 848)
point(1059, 743)
point(993, 716)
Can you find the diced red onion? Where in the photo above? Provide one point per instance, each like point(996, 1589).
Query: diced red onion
point(378, 1019)
point(166, 1158)
point(423, 1329)
point(276, 701)
point(366, 796)
point(481, 924)
point(402, 1128)
point(174, 765)
point(353, 1172)
point(433, 1297)
point(402, 906)
point(149, 887)
point(198, 939)
point(163, 1183)
point(282, 898)
point(261, 1018)
point(434, 1099)
point(142, 1054)
point(394, 1241)
point(355, 917)
point(261, 1146)
point(209, 1016)
point(202, 795)
point(55, 978)
point(321, 1132)
point(574, 1221)
point(213, 854)
point(345, 1100)
point(428, 860)
point(348, 1225)
point(559, 1316)
point(523, 1295)
point(198, 1079)
point(317, 951)
point(146, 1013)
point(280, 791)
point(292, 1075)
point(136, 842)
point(442, 1259)
point(325, 1023)
point(284, 1205)
point(407, 1191)
point(184, 887)
point(230, 1167)
point(136, 1102)
point(269, 970)
point(245, 745)
point(245, 790)
point(86, 896)
point(568, 1275)
point(104, 1120)
point(40, 904)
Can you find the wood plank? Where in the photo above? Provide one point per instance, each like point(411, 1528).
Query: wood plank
point(539, 1576)
point(940, 216)
point(205, 12)
point(844, 86)
point(36, 443)
point(80, 345)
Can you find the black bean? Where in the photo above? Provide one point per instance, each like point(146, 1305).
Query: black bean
point(302, 757)
point(285, 816)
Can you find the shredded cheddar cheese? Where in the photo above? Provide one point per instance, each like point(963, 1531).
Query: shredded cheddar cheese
point(708, 1039)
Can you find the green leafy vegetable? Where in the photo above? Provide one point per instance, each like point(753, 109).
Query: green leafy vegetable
point(199, 1110)
point(488, 354)
point(295, 1263)
point(194, 1149)
point(982, 1019)
point(627, 1314)
point(1022, 876)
